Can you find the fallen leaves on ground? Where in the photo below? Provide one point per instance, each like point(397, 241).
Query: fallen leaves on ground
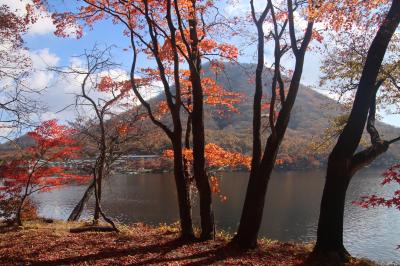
point(137, 244)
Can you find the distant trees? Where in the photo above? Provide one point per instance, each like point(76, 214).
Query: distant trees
point(40, 167)
point(344, 161)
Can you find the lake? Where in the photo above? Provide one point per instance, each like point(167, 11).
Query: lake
point(291, 212)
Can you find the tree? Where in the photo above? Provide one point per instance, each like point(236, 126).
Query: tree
point(171, 34)
point(41, 167)
point(280, 106)
point(101, 103)
point(16, 102)
point(343, 161)
point(213, 95)
point(216, 158)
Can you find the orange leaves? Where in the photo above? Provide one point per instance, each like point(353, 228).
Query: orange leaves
point(219, 157)
point(162, 108)
point(108, 84)
point(317, 36)
point(105, 84)
point(224, 50)
point(216, 95)
point(343, 15)
point(216, 157)
point(214, 184)
point(123, 129)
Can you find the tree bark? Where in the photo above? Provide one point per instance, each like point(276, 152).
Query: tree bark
point(261, 170)
point(200, 175)
point(186, 163)
point(185, 212)
point(253, 208)
point(18, 215)
point(97, 203)
point(342, 163)
point(77, 211)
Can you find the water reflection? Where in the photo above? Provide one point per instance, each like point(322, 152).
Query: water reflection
point(291, 211)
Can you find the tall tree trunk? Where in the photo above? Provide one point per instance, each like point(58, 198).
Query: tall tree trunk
point(262, 167)
point(176, 135)
point(97, 203)
point(186, 163)
point(343, 163)
point(98, 176)
point(253, 208)
point(330, 227)
point(77, 211)
point(200, 175)
point(185, 212)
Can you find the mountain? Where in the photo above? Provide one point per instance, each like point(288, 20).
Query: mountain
point(311, 115)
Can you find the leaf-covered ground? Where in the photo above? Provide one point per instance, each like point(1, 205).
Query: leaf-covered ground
point(52, 244)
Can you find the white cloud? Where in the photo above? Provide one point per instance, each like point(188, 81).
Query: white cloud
point(44, 25)
point(48, 116)
point(42, 60)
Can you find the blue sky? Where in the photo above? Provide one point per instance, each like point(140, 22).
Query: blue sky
point(49, 50)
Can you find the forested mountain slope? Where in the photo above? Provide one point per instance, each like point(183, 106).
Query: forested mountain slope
point(312, 114)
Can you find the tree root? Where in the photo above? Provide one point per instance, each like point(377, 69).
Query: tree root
point(92, 229)
point(321, 256)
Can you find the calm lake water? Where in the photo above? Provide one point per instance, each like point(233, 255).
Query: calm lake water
point(291, 211)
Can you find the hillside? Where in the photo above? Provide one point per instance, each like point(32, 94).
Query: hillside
point(311, 115)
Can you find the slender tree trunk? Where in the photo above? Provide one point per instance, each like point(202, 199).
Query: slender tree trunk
point(200, 175)
point(199, 164)
point(97, 203)
point(186, 163)
point(185, 213)
point(343, 163)
point(18, 215)
point(252, 213)
point(253, 208)
point(98, 206)
point(77, 211)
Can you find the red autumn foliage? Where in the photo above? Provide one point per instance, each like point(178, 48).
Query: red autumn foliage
point(391, 175)
point(40, 167)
